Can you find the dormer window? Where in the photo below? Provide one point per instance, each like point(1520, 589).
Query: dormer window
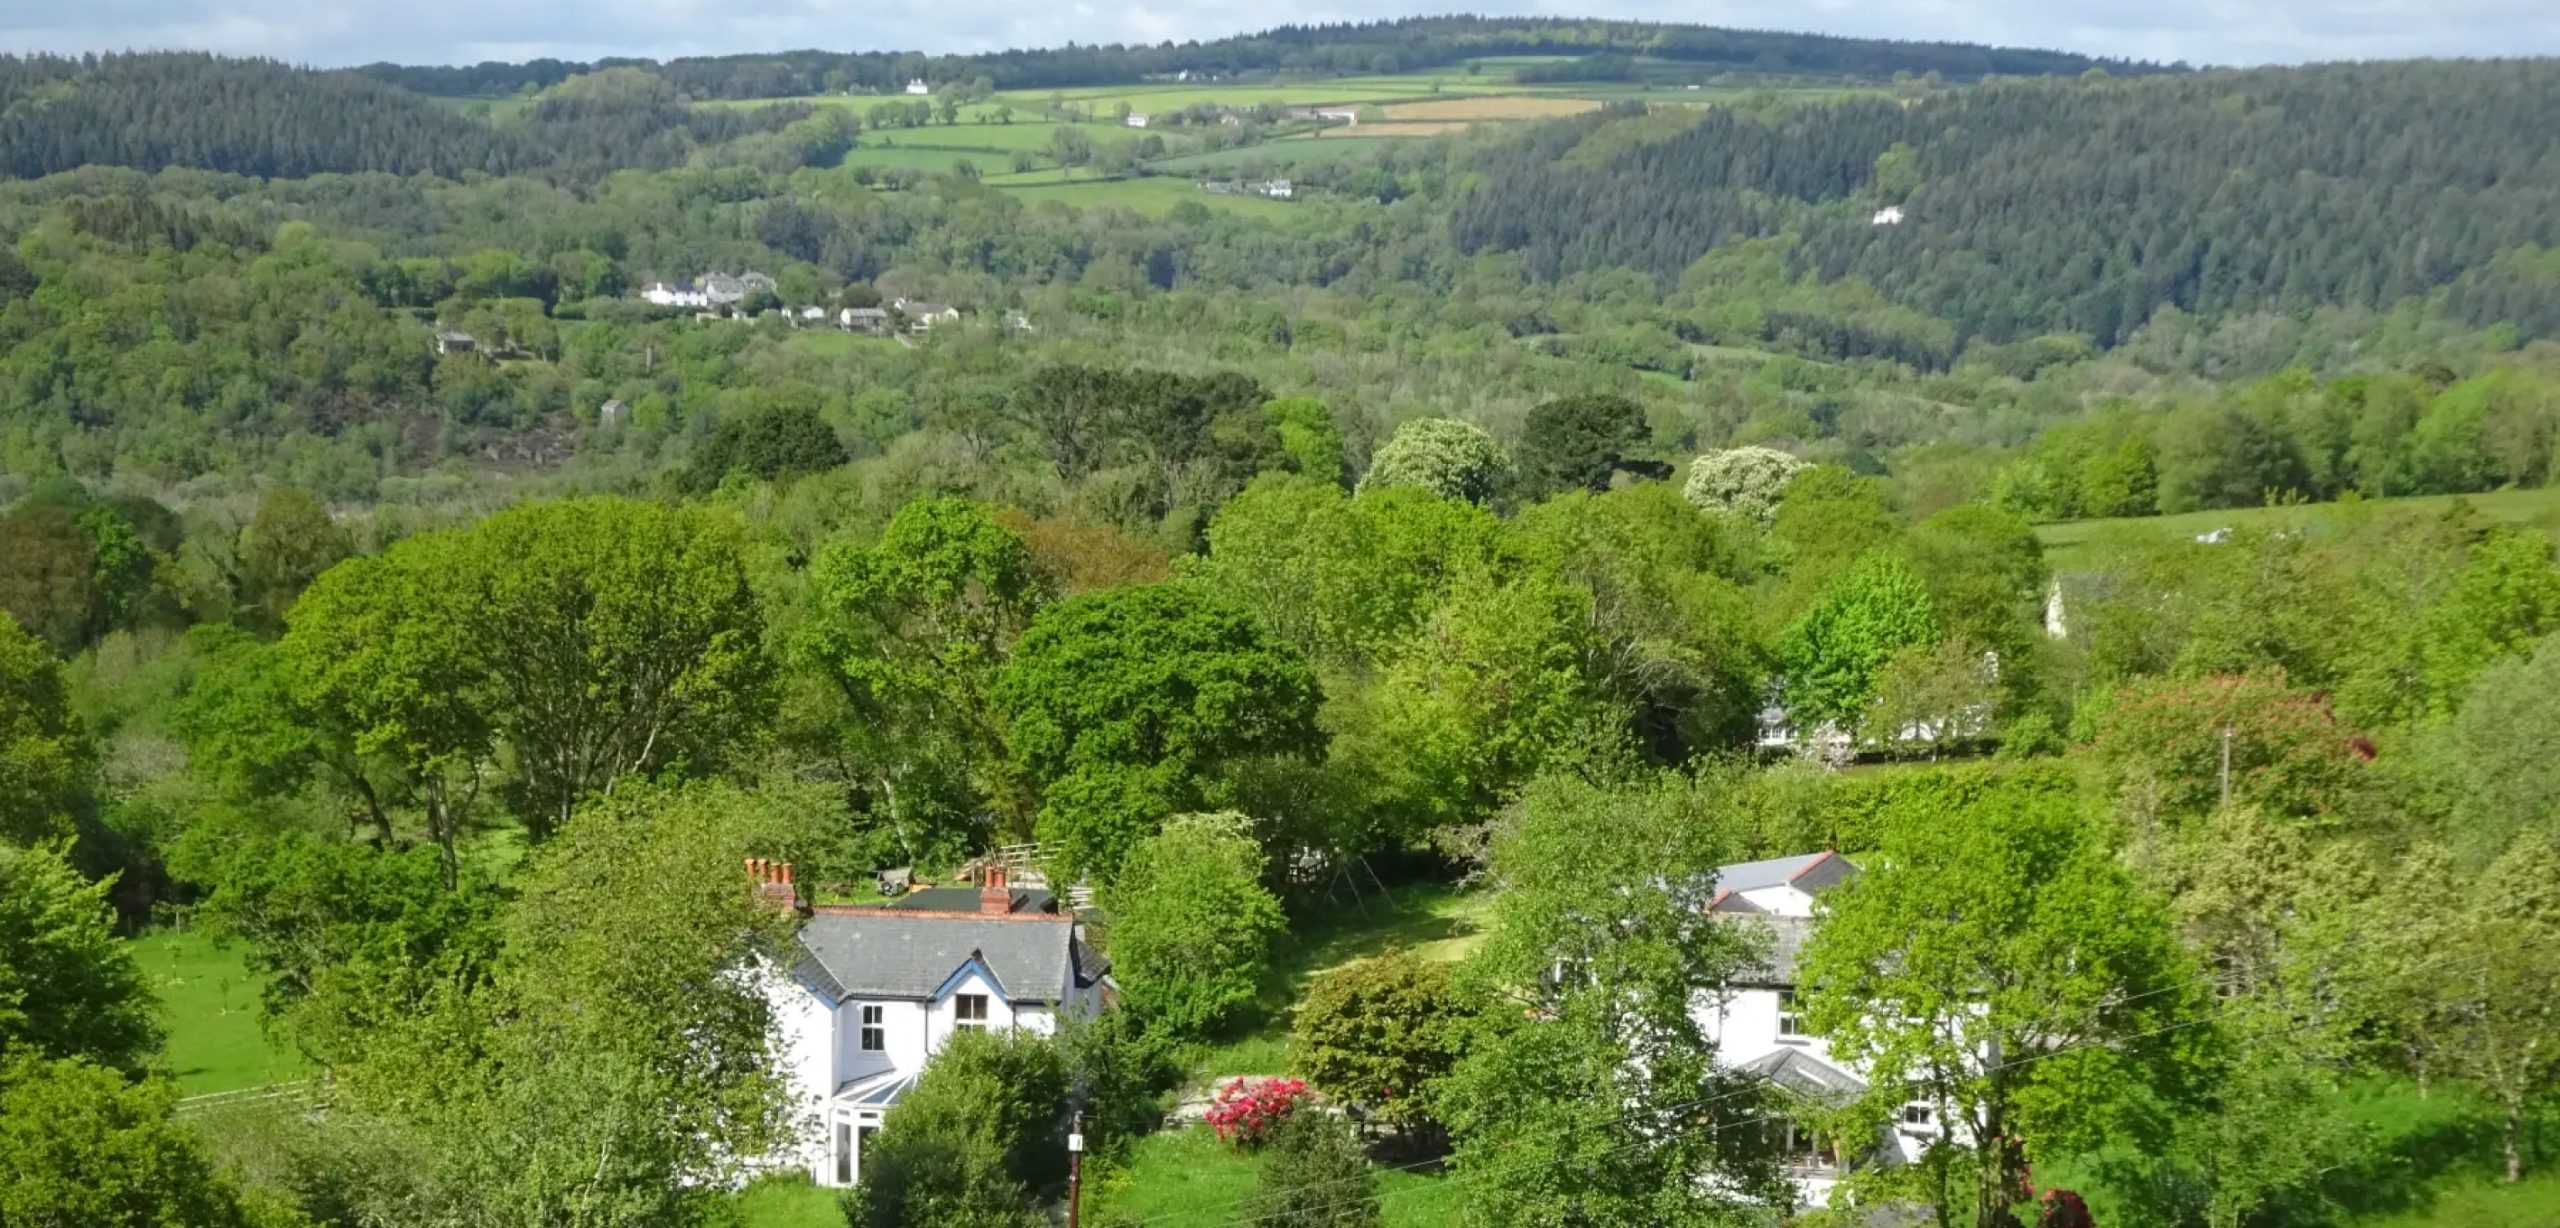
point(969, 1010)
point(875, 1030)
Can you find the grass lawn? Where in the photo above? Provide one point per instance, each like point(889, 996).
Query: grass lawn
point(1429, 919)
point(209, 1005)
point(1188, 1179)
point(2070, 545)
point(788, 1202)
point(2535, 1203)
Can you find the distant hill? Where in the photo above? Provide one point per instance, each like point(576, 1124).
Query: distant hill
point(1373, 47)
point(264, 118)
point(2088, 206)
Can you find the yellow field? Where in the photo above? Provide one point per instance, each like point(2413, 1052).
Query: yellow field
point(1432, 128)
point(1507, 106)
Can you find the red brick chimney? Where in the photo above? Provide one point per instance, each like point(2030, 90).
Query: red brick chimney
point(994, 898)
point(771, 882)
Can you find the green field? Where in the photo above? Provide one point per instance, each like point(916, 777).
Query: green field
point(1293, 152)
point(209, 1006)
point(788, 1202)
point(1144, 195)
point(2072, 545)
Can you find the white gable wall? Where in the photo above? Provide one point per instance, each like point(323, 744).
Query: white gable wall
point(1784, 900)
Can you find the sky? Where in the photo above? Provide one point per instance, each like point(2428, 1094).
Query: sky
point(345, 32)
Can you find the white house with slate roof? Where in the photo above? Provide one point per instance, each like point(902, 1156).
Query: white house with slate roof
point(1756, 1028)
point(875, 992)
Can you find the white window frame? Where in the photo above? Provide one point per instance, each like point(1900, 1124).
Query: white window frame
point(960, 1017)
point(874, 1028)
point(1789, 1026)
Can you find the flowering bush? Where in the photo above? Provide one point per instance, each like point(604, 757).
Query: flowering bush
point(1246, 1111)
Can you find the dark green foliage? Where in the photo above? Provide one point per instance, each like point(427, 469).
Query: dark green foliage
point(1124, 703)
point(1579, 443)
point(1379, 1034)
point(2023, 222)
point(774, 443)
point(1314, 1176)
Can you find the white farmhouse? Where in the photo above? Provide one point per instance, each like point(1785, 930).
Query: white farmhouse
point(675, 294)
point(1139, 119)
point(875, 992)
point(1756, 1028)
point(917, 87)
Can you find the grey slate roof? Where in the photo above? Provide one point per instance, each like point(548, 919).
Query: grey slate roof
point(965, 899)
point(888, 953)
point(1787, 936)
point(1799, 1071)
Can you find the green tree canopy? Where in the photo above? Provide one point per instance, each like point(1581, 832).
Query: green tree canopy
point(1746, 481)
point(46, 760)
point(1124, 703)
point(1449, 458)
point(772, 442)
point(1380, 1033)
point(81, 1145)
point(980, 1140)
point(1834, 654)
point(2040, 1006)
point(68, 985)
point(1191, 923)
point(1579, 442)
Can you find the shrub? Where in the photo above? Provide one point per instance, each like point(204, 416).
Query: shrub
point(1248, 1111)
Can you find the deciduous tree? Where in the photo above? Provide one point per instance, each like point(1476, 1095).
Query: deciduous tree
point(68, 985)
point(1191, 923)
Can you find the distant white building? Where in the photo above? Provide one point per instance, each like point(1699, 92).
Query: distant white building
point(872, 993)
point(1345, 115)
point(1890, 215)
point(918, 88)
point(923, 317)
point(675, 294)
point(1138, 119)
point(714, 290)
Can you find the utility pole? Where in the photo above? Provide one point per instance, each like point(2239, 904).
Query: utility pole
point(2226, 767)
point(1075, 1168)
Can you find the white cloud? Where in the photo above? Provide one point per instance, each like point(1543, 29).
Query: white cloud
point(337, 32)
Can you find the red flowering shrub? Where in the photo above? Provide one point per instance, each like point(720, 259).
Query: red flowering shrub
point(1246, 1111)
point(2063, 1209)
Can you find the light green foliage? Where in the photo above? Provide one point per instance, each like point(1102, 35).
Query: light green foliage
point(913, 631)
point(1310, 438)
point(1672, 630)
point(1191, 923)
point(2473, 967)
point(1744, 481)
point(1586, 1092)
point(1452, 459)
point(2506, 597)
point(1932, 696)
point(1123, 703)
point(45, 758)
point(379, 654)
point(614, 1068)
point(1833, 656)
point(1314, 1176)
point(1379, 1033)
point(1986, 577)
point(978, 1140)
point(1491, 692)
point(2487, 773)
point(80, 1145)
point(2039, 1005)
point(1345, 579)
point(68, 986)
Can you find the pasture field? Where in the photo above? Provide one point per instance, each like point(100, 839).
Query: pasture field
point(1294, 151)
point(2073, 545)
point(1497, 106)
point(1393, 131)
point(1023, 133)
point(928, 158)
point(209, 1008)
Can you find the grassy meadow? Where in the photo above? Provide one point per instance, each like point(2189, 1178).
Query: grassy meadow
point(2074, 545)
point(209, 1007)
